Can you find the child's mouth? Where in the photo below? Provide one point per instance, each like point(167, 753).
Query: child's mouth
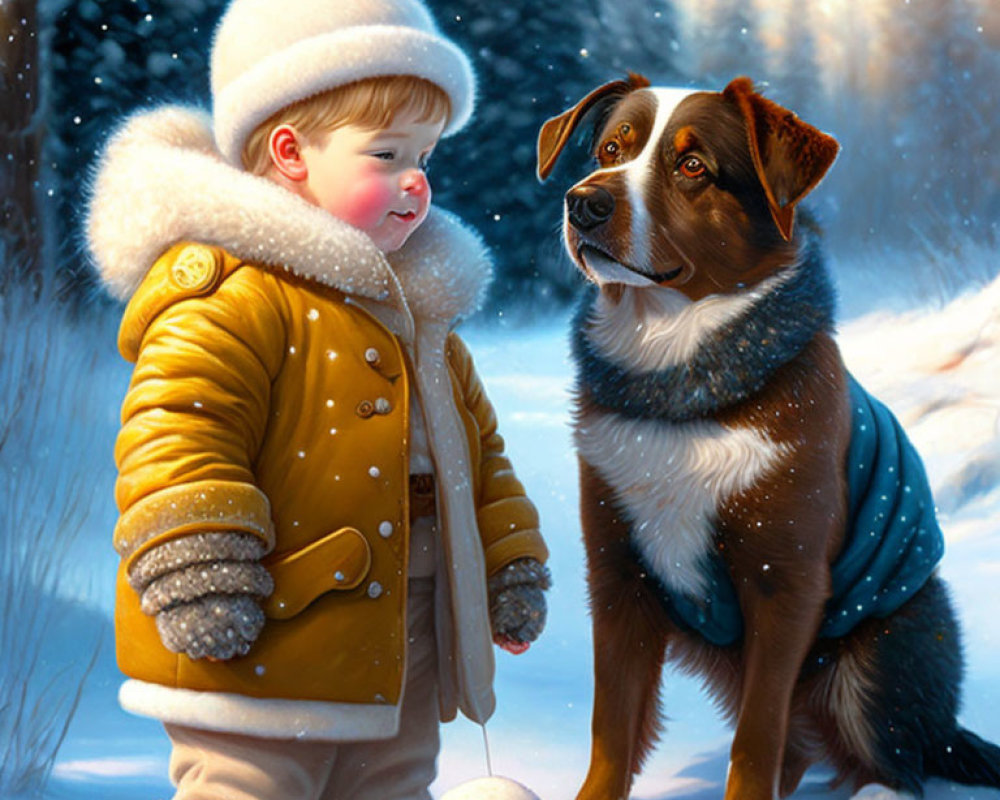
point(406, 216)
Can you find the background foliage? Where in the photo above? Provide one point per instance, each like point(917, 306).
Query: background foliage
point(902, 86)
point(908, 87)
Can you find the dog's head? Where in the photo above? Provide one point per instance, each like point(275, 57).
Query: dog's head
point(693, 190)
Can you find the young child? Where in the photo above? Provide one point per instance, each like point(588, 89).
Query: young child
point(319, 533)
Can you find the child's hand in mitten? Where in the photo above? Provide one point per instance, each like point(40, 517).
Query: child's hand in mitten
point(204, 592)
point(517, 603)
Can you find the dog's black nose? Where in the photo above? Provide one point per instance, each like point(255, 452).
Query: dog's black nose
point(589, 206)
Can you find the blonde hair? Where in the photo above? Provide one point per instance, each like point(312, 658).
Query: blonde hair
point(369, 103)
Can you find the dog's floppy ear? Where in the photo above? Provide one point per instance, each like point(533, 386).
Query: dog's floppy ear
point(556, 131)
point(790, 156)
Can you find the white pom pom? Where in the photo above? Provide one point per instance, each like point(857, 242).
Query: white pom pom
point(490, 789)
point(876, 791)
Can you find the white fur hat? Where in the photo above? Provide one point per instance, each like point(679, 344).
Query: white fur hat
point(268, 54)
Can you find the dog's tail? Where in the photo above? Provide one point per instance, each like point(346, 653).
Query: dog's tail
point(966, 758)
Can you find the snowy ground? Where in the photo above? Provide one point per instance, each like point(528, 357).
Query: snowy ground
point(936, 368)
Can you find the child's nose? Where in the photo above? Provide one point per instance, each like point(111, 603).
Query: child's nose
point(414, 182)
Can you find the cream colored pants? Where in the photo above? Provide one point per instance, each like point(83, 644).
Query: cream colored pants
point(206, 765)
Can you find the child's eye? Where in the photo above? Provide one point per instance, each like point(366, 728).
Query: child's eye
point(384, 155)
point(424, 163)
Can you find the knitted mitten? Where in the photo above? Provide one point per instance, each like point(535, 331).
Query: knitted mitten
point(517, 600)
point(204, 591)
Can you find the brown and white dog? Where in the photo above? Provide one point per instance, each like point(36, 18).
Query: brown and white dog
point(718, 431)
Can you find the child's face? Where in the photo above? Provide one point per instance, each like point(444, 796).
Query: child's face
point(374, 179)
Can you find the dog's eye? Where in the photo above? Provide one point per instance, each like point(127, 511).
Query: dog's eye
point(609, 152)
point(692, 167)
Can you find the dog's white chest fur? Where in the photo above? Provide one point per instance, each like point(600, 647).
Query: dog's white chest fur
point(670, 479)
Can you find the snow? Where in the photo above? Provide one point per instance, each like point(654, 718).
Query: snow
point(127, 767)
point(935, 367)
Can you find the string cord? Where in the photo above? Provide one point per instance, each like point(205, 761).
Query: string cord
point(486, 746)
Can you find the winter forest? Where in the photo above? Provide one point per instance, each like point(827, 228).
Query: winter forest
point(911, 216)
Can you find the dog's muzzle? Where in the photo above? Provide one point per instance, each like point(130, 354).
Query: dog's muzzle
point(589, 206)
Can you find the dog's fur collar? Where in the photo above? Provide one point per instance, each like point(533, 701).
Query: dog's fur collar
point(732, 363)
point(161, 180)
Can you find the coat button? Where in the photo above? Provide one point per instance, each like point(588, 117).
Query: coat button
point(374, 472)
point(382, 406)
point(372, 356)
point(195, 269)
point(374, 590)
point(385, 529)
point(365, 409)
point(338, 576)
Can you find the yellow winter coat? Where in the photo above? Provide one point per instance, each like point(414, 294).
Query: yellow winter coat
point(269, 405)
point(273, 376)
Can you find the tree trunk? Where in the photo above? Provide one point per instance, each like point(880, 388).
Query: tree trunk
point(21, 133)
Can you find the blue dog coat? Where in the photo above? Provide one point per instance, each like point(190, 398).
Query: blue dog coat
point(893, 542)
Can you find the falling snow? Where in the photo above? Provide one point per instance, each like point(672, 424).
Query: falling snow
point(527, 375)
point(906, 219)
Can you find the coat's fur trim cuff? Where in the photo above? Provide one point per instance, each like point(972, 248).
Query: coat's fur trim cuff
point(197, 507)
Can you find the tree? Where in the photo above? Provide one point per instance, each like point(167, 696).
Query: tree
point(855, 200)
point(21, 132)
point(109, 58)
point(530, 65)
point(725, 42)
point(533, 61)
point(42, 487)
point(940, 78)
point(796, 76)
point(637, 37)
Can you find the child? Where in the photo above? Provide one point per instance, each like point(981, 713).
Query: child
point(319, 527)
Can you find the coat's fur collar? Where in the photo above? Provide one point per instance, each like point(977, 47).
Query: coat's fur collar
point(162, 180)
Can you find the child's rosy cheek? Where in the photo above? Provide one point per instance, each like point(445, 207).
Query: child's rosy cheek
point(370, 199)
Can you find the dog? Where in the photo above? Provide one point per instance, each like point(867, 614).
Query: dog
point(749, 512)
